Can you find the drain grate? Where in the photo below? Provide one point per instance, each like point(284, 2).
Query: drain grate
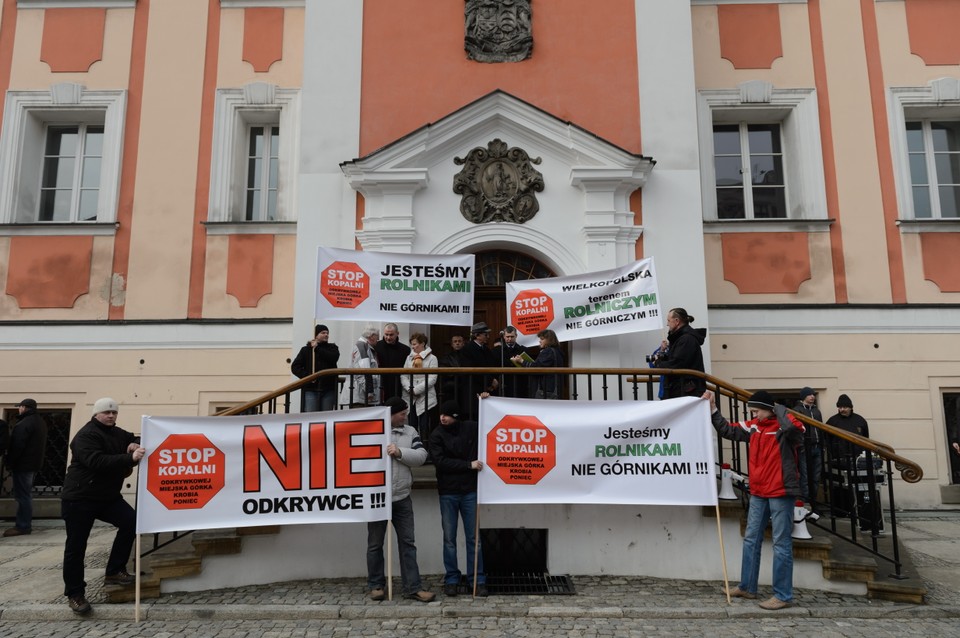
point(523, 584)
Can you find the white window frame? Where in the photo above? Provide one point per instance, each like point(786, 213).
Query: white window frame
point(746, 173)
point(80, 158)
point(758, 102)
point(938, 101)
point(236, 110)
point(27, 114)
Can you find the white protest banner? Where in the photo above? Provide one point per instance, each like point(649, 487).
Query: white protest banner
point(609, 452)
point(610, 302)
point(265, 469)
point(361, 285)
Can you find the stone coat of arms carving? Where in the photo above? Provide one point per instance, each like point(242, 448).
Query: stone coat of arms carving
point(498, 184)
point(498, 30)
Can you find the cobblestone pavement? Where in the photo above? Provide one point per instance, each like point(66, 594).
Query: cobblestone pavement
point(30, 604)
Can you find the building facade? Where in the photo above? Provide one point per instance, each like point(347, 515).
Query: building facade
point(169, 167)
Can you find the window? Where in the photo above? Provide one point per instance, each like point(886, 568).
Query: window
point(760, 154)
point(253, 165)
point(263, 169)
point(60, 156)
point(934, 153)
point(755, 150)
point(70, 186)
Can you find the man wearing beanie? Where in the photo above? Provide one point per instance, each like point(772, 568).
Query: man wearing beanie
point(28, 443)
point(319, 354)
point(773, 437)
point(103, 455)
point(405, 451)
point(843, 456)
point(811, 453)
point(453, 448)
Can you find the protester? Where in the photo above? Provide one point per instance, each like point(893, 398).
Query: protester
point(773, 437)
point(453, 448)
point(28, 443)
point(811, 453)
point(682, 353)
point(360, 390)
point(476, 354)
point(454, 387)
point(103, 455)
point(545, 386)
point(319, 354)
point(863, 504)
point(405, 451)
point(391, 353)
point(420, 390)
point(511, 385)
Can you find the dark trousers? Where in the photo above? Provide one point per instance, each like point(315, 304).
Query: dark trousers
point(79, 517)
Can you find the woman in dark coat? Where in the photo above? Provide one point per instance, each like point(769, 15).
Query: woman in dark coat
point(683, 352)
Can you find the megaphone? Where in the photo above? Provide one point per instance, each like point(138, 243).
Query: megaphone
point(800, 515)
point(726, 483)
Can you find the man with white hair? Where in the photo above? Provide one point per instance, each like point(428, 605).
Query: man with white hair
point(103, 455)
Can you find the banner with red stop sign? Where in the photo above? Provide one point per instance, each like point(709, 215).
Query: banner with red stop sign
point(610, 302)
point(266, 469)
point(596, 452)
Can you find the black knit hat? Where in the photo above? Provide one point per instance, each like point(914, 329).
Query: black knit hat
point(843, 401)
point(761, 399)
point(805, 392)
point(320, 328)
point(450, 408)
point(396, 405)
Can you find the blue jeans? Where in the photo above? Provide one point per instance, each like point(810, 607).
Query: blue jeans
point(22, 487)
point(79, 517)
point(762, 510)
point(464, 506)
point(319, 400)
point(376, 531)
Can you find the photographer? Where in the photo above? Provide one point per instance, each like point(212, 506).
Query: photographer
point(683, 353)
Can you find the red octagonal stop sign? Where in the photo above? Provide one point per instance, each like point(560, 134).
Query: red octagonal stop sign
point(531, 311)
point(344, 284)
point(521, 450)
point(185, 471)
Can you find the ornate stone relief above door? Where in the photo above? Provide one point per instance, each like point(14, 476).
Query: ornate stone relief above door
point(498, 184)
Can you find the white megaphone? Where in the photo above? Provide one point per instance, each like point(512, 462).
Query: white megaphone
point(800, 515)
point(726, 483)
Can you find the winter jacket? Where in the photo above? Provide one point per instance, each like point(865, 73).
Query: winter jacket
point(412, 454)
point(28, 442)
point(420, 390)
point(772, 461)
point(99, 464)
point(684, 353)
point(391, 355)
point(811, 436)
point(453, 448)
point(309, 360)
point(854, 423)
point(546, 386)
point(362, 389)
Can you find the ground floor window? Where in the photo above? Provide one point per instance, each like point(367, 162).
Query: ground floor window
point(951, 417)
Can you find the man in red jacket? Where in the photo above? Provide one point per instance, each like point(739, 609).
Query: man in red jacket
point(774, 436)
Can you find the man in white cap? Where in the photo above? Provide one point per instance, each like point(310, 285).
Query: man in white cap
point(103, 455)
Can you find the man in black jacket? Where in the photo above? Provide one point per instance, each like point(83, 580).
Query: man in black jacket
point(103, 455)
point(863, 504)
point(811, 454)
point(453, 448)
point(513, 385)
point(28, 443)
point(476, 354)
point(319, 354)
point(391, 353)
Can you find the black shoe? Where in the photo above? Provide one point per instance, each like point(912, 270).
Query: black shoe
point(482, 591)
point(79, 605)
point(450, 589)
point(120, 578)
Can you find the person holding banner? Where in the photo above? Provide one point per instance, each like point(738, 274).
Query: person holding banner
point(405, 451)
point(419, 389)
point(103, 455)
point(774, 437)
point(545, 386)
point(319, 354)
point(454, 450)
point(682, 353)
point(363, 390)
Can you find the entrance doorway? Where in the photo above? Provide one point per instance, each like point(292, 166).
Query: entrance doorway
point(494, 269)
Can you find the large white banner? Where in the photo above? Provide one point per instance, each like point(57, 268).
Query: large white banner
point(614, 452)
point(610, 302)
point(276, 469)
point(371, 286)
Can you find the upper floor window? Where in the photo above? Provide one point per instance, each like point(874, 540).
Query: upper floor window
point(934, 153)
point(748, 160)
point(760, 154)
point(263, 172)
point(60, 155)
